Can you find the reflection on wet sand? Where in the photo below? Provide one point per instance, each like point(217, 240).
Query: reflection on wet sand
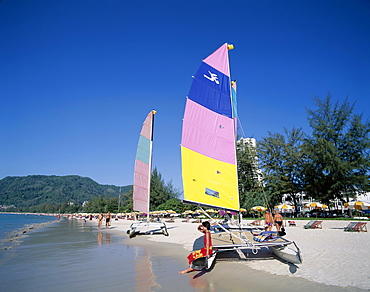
point(200, 281)
point(104, 238)
point(145, 278)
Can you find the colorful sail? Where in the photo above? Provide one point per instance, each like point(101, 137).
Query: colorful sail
point(208, 150)
point(143, 163)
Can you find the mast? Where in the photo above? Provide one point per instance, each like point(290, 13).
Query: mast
point(150, 162)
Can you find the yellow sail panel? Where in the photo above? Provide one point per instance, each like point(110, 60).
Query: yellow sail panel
point(209, 181)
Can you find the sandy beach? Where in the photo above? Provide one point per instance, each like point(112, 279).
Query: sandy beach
point(330, 255)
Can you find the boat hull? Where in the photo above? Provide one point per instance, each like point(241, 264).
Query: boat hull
point(142, 227)
point(287, 254)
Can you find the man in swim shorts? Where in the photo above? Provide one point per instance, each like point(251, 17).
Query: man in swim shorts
point(278, 219)
point(107, 219)
point(268, 221)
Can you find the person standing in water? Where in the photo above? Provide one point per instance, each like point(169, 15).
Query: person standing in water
point(108, 216)
point(100, 219)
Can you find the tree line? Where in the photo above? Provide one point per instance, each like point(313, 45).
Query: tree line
point(330, 163)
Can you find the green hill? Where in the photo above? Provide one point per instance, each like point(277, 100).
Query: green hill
point(34, 190)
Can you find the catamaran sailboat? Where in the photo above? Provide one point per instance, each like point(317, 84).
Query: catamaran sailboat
point(208, 156)
point(141, 188)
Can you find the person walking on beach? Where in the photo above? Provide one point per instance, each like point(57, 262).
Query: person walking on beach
point(100, 219)
point(206, 251)
point(268, 221)
point(107, 219)
point(278, 220)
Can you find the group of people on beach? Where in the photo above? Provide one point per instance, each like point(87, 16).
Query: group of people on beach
point(108, 218)
point(270, 221)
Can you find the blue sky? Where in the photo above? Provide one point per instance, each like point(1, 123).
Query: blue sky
point(77, 78)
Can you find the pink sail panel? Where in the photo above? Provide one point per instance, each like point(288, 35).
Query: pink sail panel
point(141, 186)
point(208, 133)
point(146, 130)
point(219, 60)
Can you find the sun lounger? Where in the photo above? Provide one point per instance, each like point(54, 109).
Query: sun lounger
point(313, 224)
point(350, 226)
point(316, 225)
point(360, 226)
point(197, 221)
point(356, 226)
point(308, 225)
point(291, 223)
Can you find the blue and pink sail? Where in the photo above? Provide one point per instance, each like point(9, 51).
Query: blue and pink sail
point(208, 144)
point(143, 163)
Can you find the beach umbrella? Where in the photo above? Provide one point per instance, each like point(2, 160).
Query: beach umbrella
point(211, 211)
point(242, 210)
point(357, 205)
point(258, 208)
point(284, 207)
point(316, 205)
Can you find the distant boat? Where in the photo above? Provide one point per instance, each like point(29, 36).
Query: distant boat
point(208, 156)
point(142, 176)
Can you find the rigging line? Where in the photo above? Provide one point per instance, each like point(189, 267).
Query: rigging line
point(266, 201)
point(240, 126)
point(247, 241)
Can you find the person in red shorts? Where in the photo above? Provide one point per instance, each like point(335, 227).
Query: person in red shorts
point(206, 251)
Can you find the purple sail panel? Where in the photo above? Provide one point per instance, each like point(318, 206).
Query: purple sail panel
point(208, 133)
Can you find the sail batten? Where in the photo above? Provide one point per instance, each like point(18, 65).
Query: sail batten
point(143, 162)
point(208, 150)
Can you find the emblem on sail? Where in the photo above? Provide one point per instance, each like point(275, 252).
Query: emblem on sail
point(213, 77)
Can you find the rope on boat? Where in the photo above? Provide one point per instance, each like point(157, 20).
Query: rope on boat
point(246, 240)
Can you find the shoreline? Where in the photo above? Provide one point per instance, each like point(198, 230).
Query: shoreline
point(330, 255)
point(15, 236)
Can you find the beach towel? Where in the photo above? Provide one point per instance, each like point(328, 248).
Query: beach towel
point(266, 236)
point(198, 254)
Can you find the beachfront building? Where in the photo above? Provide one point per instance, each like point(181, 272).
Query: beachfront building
point(249, 145)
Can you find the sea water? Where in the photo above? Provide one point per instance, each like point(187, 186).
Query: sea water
point(12, 222)
point(12, 225)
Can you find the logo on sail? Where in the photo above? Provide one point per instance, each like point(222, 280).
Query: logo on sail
point(212, 193)
point(212, 77)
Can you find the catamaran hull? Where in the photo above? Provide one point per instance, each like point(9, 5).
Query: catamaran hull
point(147, 228)
point(204, 263)
point(287, 254)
